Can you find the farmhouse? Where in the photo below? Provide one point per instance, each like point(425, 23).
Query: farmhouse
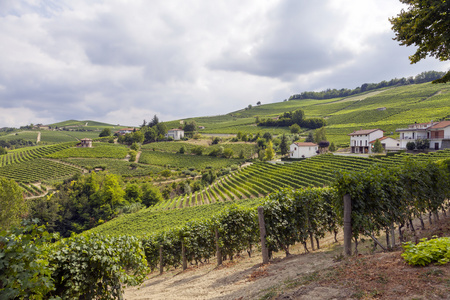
point(388, 143)
point(85, 143)
point(303, 150)
point(360, 139)
point(413, 132)
point(175, 133)
point(438, 133)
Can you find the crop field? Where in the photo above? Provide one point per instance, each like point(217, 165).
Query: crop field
point(29, 153)
point(115, 166)
point(24, 135)
point(146, 221)
point(246, 187)
point(99, 150)
point(37, 170)
point(176, 160)
point(248, 148)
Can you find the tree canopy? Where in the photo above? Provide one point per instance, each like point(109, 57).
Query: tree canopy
point(425, 25)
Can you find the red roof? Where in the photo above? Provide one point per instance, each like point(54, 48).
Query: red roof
point(439, 125)
point(305, 144)
point(363, 131)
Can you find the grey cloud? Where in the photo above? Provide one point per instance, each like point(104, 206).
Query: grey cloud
point(298, 40)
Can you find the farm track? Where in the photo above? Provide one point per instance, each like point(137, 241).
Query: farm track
point(314, 275)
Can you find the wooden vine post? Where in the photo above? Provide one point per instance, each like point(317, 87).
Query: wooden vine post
point(218, 252)
point(183, 255)
point(347, 225)
point(161, 267)
point(262, 234)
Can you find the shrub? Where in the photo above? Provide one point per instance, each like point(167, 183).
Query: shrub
point(436, 250)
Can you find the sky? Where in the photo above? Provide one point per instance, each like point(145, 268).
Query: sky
point(121, 62)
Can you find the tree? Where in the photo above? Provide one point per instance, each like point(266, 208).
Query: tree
point(425, 24)
point(150, 135)
point(295, 128)
point(377, 147)
point(12, 203)
point(298, 116)
point(3, 151)
point(258, 103)
point(284, 148)
point(133, 193)
point(310, 138)
point(150, 194)
point(105, 132)
point(267, 136)
point(183, 149)
point(191, 126)
point(332, 147)
point(270, 153)
point(154, 121)
point(228, 152)
point(161, 129)
point(320, 135)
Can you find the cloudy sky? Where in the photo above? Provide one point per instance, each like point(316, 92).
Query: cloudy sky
point(121, 61)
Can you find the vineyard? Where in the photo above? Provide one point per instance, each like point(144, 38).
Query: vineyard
point(260, 179)
point(119, 167)
point(99, 150)
point(37, 170)
point(177, 160)
point(30, 153)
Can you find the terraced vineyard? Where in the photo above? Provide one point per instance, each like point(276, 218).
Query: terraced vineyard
point(30, 153)
point(260, 179)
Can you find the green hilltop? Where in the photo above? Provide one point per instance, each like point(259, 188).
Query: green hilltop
point(386, 109)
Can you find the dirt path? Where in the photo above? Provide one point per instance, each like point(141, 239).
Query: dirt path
point(315, 275)
point(244, 278)
point(38, 139)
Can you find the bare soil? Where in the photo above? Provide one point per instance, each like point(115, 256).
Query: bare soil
point(322, 274)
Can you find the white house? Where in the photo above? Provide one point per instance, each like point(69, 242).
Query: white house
point(413, 132)
point(303, 150)
point(175, 133)
point(360, 139)
point(439, 135)
point(388, 143)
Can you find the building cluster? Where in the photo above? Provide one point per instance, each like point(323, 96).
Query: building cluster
point(362, 141)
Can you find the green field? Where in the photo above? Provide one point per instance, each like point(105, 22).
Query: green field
point(404, 105)
point(177, 160)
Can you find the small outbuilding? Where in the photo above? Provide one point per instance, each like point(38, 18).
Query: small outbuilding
point(85, 143)
point(303, 150)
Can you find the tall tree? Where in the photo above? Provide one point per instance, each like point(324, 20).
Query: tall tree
point(320, 135)
point(284, 148)
point(270, 153)
point(425, 24)
point(377, 147)
point(154, 121)
point(105, 132)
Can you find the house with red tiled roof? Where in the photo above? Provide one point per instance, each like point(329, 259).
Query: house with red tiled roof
point(439, 135)
point(360, 140)
point(124, 131)
point(413, 132)
point(303, 150)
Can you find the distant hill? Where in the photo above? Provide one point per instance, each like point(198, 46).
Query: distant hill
point(85, 123)
point(387, 109)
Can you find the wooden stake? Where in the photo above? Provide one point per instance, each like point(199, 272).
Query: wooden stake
point(218, 252)
point(262, 234)
point(347, 225)
point(161, 267)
